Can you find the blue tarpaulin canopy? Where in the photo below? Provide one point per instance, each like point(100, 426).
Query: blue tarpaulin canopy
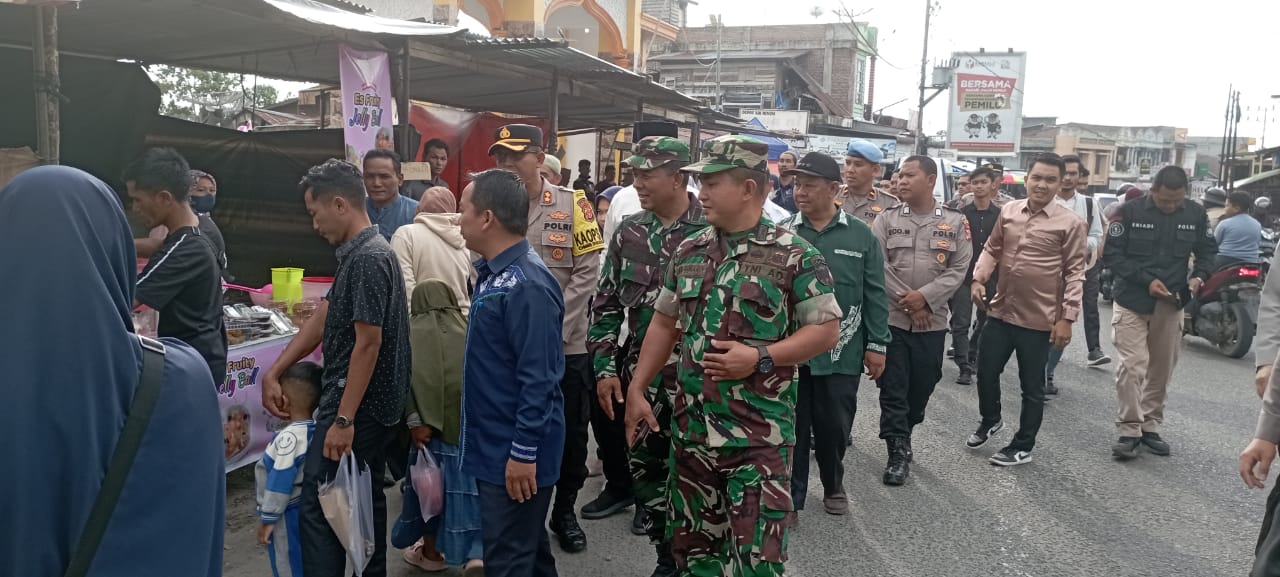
point(777, 146)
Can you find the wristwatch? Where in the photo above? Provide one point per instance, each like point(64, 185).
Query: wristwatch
point(342, 422)
point(765, 364)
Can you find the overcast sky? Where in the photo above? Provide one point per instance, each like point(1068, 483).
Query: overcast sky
point(1120, 62)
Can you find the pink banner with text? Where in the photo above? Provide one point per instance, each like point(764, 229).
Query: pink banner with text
point(366, 93)
point(247, 428)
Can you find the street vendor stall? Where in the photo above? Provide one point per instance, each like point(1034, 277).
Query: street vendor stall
point(246, 425)
point(256, 337)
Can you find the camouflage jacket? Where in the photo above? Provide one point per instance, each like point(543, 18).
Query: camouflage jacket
point(756, 287)
point(630, 282)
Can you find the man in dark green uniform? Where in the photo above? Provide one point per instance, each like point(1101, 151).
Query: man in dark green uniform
point(828, 395)
point(629, 286)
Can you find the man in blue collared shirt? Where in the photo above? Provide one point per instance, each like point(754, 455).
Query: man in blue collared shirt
point(388, 209)
point(513, 411)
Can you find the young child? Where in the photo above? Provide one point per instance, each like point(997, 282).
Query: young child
point(279, 473)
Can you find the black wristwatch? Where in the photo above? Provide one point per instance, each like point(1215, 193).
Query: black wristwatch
point(765, 364)
point(342, 422)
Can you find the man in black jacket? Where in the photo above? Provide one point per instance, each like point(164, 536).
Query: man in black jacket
point(1149, 241)
point(981, 213)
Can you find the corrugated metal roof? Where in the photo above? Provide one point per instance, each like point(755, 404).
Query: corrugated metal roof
point(729, 55)
point(319, 13)
point(546, 54)
point(299, 39)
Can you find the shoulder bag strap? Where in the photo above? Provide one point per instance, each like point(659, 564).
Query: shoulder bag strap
point(135, 425)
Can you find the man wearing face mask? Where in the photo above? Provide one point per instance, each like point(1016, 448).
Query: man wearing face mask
point(204, 192)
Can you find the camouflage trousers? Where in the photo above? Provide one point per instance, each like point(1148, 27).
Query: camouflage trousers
point(650, 459)
point(730, 510)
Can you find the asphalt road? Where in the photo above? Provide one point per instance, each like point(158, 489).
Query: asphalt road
point(1072, 512)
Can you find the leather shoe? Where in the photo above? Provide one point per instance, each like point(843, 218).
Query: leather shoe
point(568, 533)
point(837, 504)
point(1155, 444)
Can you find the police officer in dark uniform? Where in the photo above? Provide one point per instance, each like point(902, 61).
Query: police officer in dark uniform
point(1149, 242)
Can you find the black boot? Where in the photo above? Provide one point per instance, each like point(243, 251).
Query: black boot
point(666, 562)
point(911, 453)
point(898, 468)
point(564, 523)
point(638, 521)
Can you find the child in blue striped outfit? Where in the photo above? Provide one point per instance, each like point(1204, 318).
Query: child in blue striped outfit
point(279, 474)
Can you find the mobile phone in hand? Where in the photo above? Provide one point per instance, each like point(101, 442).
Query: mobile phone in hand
point(642, 432)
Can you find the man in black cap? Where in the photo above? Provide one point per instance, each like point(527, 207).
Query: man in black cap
point(828, 392)
point(563, 231)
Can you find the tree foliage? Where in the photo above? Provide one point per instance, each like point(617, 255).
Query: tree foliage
point(205, 96)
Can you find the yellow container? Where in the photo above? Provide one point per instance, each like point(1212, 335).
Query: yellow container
point(286, 285)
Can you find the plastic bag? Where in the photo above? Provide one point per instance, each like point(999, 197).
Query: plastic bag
point(428, 483)
point(347, 502)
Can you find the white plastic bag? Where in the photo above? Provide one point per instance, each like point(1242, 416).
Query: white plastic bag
point(428, 483)
point(347, 502)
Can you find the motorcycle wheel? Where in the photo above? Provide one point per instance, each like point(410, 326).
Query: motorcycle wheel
point(1238, 329)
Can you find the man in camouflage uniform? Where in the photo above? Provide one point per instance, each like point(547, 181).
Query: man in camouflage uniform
point(861, 168)
point(629, 286)
point(564, 233)
point(927, 253)
point(746, 301)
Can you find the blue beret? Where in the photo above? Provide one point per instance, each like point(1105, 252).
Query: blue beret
point(864, 149)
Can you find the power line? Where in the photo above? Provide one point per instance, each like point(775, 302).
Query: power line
point(853, 25)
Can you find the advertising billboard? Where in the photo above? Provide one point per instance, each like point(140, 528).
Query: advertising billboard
point(836, 146)
point(985, 110)
point(790, 122)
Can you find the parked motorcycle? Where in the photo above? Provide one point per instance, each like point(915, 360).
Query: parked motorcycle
point(1225, 310)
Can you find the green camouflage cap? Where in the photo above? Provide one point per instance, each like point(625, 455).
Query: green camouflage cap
point(732, 151)
point(654, 151)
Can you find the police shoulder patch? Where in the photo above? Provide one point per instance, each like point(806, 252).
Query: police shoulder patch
point(1115, 229)
point(586, 231)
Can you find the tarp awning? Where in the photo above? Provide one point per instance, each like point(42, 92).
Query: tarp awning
point(777, 146)
point(289, 39)
point(299, 39)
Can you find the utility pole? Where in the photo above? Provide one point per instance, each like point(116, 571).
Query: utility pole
point(719, 40)
point(45, 65)
point(922, 144)
point(1235, 132)
point(1226, 134)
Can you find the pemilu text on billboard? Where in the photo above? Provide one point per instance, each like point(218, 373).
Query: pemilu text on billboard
point(985, 112)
